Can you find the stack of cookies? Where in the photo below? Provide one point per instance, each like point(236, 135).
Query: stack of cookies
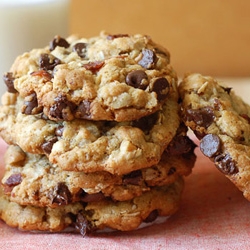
point(95, 136)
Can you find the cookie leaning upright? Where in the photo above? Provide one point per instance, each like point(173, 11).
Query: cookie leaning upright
point(109, 77)
point(221, 120)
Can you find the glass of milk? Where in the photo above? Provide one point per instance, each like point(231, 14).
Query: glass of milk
point(28, 24)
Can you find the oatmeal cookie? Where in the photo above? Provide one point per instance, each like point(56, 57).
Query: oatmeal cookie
point(30, 179)
point(109, 77)
point(221, 120)
point(88, 217)
point(90, 146)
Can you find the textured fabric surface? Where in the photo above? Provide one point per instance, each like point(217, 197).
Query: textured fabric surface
point(213, 215)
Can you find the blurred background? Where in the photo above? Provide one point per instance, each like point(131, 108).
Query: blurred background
point(210, 37)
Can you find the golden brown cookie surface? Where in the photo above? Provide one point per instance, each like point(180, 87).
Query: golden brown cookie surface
point(108, 77)
point(221, 120)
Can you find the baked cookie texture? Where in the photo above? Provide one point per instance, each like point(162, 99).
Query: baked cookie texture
point(92, 216)
point(30, 179)
point(119, 78)
point(83, 145)
point(221, 120)
point(95, 137)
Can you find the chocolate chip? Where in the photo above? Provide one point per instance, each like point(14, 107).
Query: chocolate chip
point(227, 89)
point(161, 87)
point(58, 41)
point(82, 225)
point(29, 104)
point(13, 180)
point(148, 59)
point(48, 62)
point(226, 164)
point(60, 194)
point(112, 37)
point(80, 49)
point(85, 197)
point(171, 171)
point(203, 117)
point(83, 110)
point(180, 145)
point(146, 123)
point(9, 82)
point(59, 130)
point(152, 216)
point(58, 109)
point(47, 146)
point(161, 52)
point(210, 145)
point(93, 66)
point(133, 178)
point(137, 79)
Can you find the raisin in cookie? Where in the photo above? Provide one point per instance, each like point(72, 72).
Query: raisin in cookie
point(221, 120)
point(90, 146)
point(108, 77)
point(30, 179)
point(87, 217)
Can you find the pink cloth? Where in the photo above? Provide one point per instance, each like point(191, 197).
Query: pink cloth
point(213, 215)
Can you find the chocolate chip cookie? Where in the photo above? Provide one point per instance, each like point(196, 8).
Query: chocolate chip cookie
point(90, 146)
point(87, 217)
point(30, 179)
point(221, 120)
point(109, 77)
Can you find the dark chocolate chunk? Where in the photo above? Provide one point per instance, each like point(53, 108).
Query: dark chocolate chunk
point(93, 66)
point(203, 117)
point(60, 194)
point(146, 123)
point(29, 104)
point(80, 49)
point(85, 197)
point(58, 109)
point(9, 82)
point(210, 145)
point(152, 216)
point(137, 79)
point(58, 41)
point(161, 87)
point(171, 171)
point(148, 59)
point(82, 225)
point(133, 178)
point(83, 110)
point(226, 164)
point(47, 146)
point(112, 37)
point(48, 62)
point(180, 145)
point(227, 89)
point(13, 180)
